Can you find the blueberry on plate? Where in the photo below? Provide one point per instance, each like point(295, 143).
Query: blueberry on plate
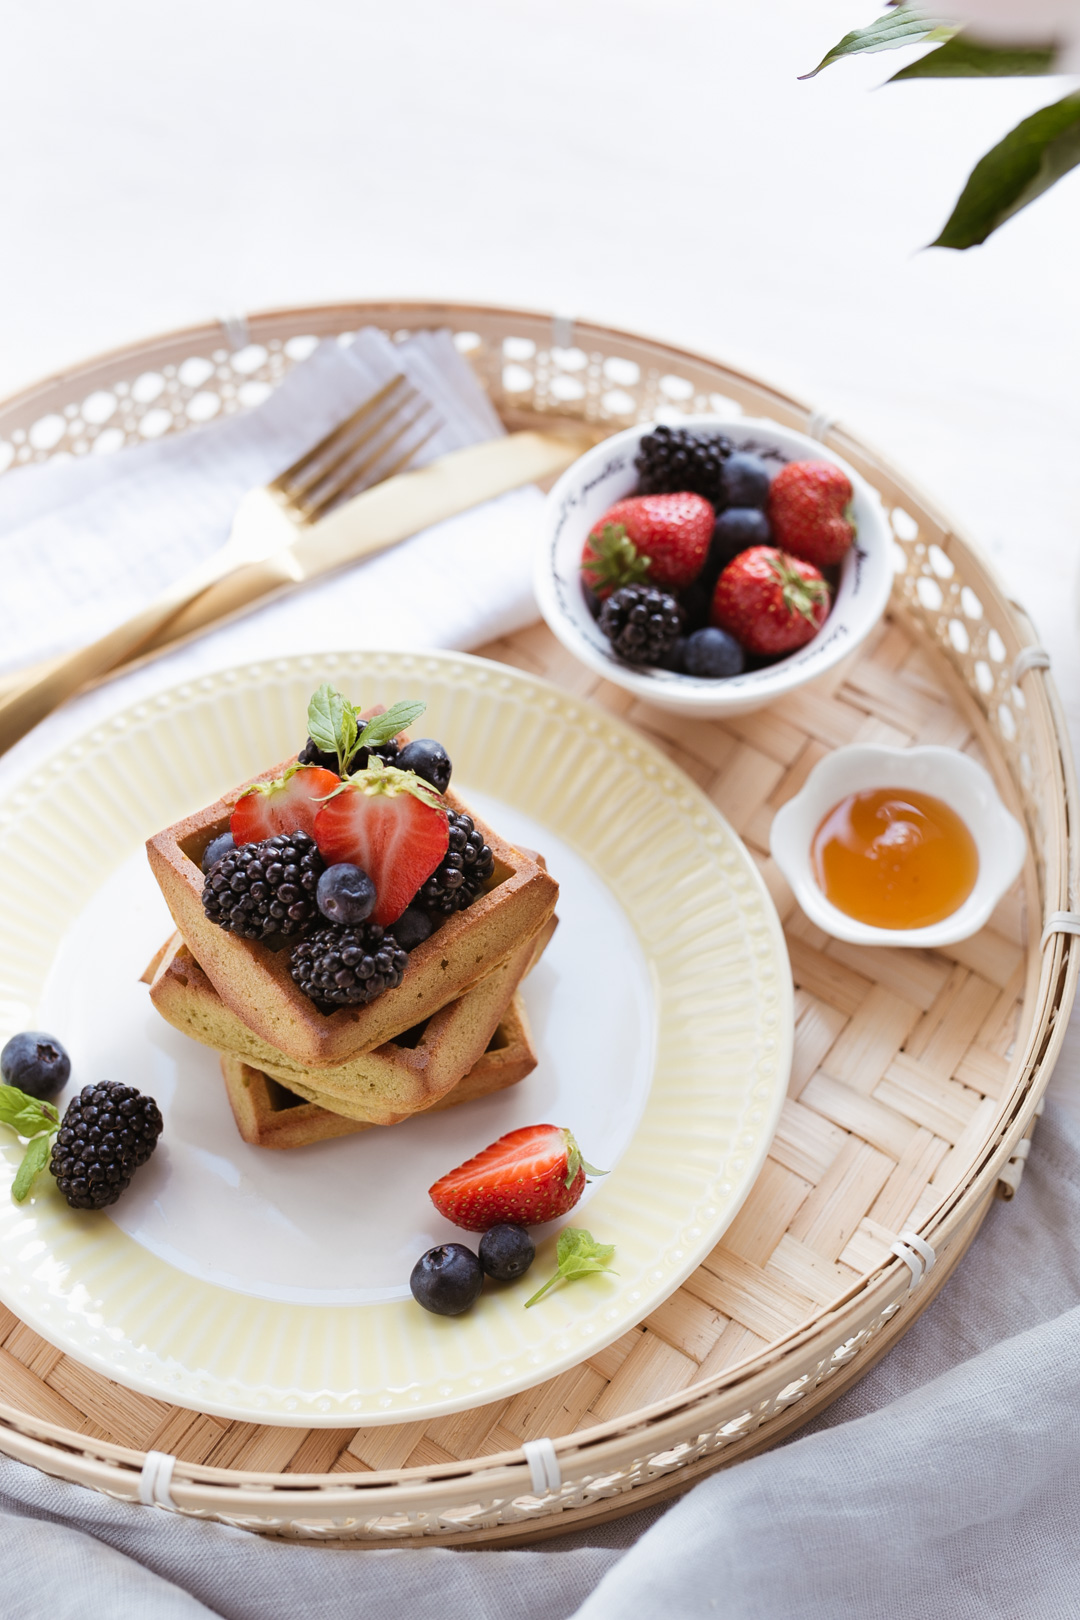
point(345, 894)
point(506, 1252)
point(428, 759)
point(746, 480)
point(36, 1063)
point(412, 928)
point(737, 529)
point(223, 844)
point(447, 1279)
point(713, 654)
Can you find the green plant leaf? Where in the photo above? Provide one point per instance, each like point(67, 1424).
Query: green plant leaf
point(320, 718)
point(901, 25)
point(382, 727)
point(26, 1115)
point(964, 58)
point(578, 1254)
point(575, 1161)
point(34, 1161)
point(1012, 174)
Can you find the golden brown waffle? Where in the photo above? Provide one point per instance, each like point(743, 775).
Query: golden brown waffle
point(254, 982)
point(381, 1087)
point(268, 1115)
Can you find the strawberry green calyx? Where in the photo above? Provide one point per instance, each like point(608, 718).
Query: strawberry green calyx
point(39, 1122)
point(800, 595)
point(275, 785)
point(578, 1254)
point(615, 560)
point(379, 779)
point(575, 1161)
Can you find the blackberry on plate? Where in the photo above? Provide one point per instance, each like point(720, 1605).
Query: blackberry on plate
point(107, 1132)
point(672, 459)
point(265, 889)
point(462, 872)
point(312, 754)
point(348, 967)
point(642, 623)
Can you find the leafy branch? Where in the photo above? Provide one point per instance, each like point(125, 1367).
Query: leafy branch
point(1027, 162)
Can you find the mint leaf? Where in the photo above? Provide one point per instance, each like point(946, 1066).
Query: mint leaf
point(320, 718)
point(34, 1161)
point(26, 1115)
point(382, 727)
point(964, 58)
point(1012, 174)
point(901, 25)
point(578, 1255)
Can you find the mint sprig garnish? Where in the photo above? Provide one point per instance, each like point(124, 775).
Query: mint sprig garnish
point(37, 1120)
point(578, 1255)
point(335, 726)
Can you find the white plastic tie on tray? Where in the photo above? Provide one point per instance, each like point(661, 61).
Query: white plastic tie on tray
point(917, 1255)
point(237, 332)
point(155, 1481)
point(1060, 922)
point(543, 1466)
point(562, 331)
point(820, 424)
point(1029, 658)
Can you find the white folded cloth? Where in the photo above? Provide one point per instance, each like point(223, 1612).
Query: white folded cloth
point(85, 542)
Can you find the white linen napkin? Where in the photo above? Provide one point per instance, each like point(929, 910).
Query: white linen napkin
point(85, 542)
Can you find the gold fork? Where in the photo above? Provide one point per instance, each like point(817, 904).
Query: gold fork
point(371, 445)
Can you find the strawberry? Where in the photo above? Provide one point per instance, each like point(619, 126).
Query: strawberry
point(390, 823)
point(770, 602)
point(526, 1177)
point(288, 804)
point(810, 511)
point(662, 538)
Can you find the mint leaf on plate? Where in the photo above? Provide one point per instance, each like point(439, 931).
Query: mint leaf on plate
point(35, 1159)
point(26, 1115)
point(578, 1255)
point(398, 717)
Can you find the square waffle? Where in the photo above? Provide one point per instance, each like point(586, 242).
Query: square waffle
point(255, 983)
point(380, 1087)
point(269, 1115)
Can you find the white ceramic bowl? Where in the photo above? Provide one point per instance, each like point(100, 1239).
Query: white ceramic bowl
point(948, 775)
point(605, 474)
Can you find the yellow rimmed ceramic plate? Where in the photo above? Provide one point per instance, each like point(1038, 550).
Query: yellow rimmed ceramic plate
point(273, 1287)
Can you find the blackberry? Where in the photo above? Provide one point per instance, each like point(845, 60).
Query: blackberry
point(107, 1132)
point(348, 967)
point(462, 872)
point(312, 754)
point(642, 623)
point(671, 459)
point(264, 889)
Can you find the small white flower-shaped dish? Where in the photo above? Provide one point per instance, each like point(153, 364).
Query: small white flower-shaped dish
point(606, 473)
point(944, 772)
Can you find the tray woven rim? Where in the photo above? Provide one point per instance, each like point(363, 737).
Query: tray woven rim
point(242, 1495)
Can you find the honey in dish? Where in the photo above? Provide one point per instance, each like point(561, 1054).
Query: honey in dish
point(894, 858)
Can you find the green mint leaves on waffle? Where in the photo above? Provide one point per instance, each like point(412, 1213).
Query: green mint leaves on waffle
point(38, 1121)
point(335, 726)
point(578, 1255)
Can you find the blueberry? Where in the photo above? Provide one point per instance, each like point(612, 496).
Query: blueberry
point(507, 1252)
point(713, 653)
point(673, 660)
point(36, 1063)
point(428, 759)
point(345, 894)
point(222, 845)
point(412, 928)
point(746, 480)
point(447, 1280)
point(736, 530)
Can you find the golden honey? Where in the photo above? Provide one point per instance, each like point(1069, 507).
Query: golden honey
point(894, 858)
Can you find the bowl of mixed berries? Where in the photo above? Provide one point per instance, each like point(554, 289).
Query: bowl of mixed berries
point(713, 567)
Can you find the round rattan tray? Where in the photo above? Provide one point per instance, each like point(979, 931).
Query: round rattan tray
point(917, 1075)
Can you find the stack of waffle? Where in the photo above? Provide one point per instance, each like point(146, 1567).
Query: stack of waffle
point(454, 1029)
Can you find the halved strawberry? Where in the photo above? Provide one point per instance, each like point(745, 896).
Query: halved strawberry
point(288, 804)
point(393, 825)
point(527, 1177)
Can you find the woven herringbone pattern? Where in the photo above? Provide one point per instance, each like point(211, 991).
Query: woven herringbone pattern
point(899, 1057)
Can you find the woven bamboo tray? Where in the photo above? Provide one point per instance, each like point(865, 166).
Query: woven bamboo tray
point(917, 1075)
